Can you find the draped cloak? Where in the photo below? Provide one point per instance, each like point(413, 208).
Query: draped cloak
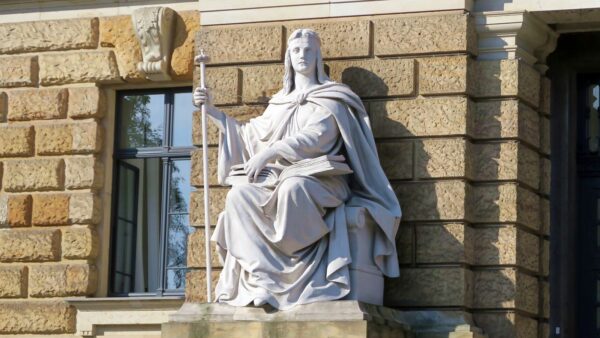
point(307, 258)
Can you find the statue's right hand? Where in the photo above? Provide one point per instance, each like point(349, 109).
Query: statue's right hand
point(202, 96)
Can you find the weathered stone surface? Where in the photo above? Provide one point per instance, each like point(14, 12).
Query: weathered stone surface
point(506, 119)
point(506, 245)
point(37, 104)
point(224, 83)
point(545, 136)
point(252, 43)
point(84, 208)
point(508, 78)
point(76, 67)
point(240, 113)
point(3, 107)
point(187, 25)
point(13, 281)
point(506, 324)
point(217, 204)
point(545, 216)
point(196, 254)
point(50, 209)
point(260, 83)
point(197, 176)
point(83, 173)
point(29, 245)
point(79, 243)
point(195, 285)
point(405, 243)
point(16, 141)
point(73, 138)
point(506, 161)
point(3, 209)
point(430, 287)
point(545, 258)
point(38, 36)
point(420, 117)
point(443, 200)
point(354, 33)
point(33, 175)
point(444, 243)
point(19, 210)
point(18, 71)
point(505, 203)
point(117, 32)
point(505, 288)
point(545, 176)
point(86, 102)
point(396, 159)
point(62, 280)
point(87, 137)
point(376, 78)
point(441, 158)
point(445, 75)
point(42, 317)
point(545, 300)
point(545, 94)
point(424, 34)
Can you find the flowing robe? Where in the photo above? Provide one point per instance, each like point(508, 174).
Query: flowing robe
point(288, 245)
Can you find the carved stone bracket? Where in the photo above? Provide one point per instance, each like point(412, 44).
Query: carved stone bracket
point(515, 35)
point(154, 29)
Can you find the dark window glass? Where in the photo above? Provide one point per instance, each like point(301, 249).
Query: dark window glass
point(142, 121)
point(182, 119)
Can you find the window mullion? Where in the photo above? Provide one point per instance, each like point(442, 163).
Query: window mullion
point(164, 224)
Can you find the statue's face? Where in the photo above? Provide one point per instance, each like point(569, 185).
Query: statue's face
point(303, 53)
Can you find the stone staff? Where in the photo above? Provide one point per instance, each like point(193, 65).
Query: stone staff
point(201, 60)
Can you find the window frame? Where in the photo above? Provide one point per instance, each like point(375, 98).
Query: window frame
point(167, 154)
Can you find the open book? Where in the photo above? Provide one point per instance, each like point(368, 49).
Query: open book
point(272, 174)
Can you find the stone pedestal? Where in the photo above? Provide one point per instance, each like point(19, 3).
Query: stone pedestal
point(344, 319)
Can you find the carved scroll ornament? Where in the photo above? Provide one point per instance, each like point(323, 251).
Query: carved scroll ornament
point(154, 29)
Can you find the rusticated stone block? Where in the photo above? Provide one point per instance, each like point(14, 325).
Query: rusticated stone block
point(252, 43)
point(545, 300)
point(260, 83)
point(420, 117)
point(62, 280)
point(545, 176)
point(354, 33)
point(16, 141)
point(50, 209)
point(545, 258)
point(73, 138)
point(19, 210)
point(506, 324)
point(83, 173)
point(445, 75)
point(3, 209)
point(506, 119)
point(41, 317)
point(13, 281)
point(404, 35)
point(505, 288)
point(196, 254)
point(430, 287)
point(33, 175)
point(35, 36)
point(3, 107)
point(86, 102)
point(508, 78)
point(376, 78)
point(80, 243)
point(29, 245)
point(444, 243)
point(87, 137)
point(18, 71)
point(117, 32)
point(197, 179)
point(84, 208)
point(77, 67)
point(405, 243)
point(224, 83)
point(195, 285)
point(442, 158)
point(506, 161)
point(545, 216)
point(37, 104)
point(396, 159)
point(505, 203)
point(443, 200)
point(187, 23)
point(217, 204)
point(506, 245)
point(545, 94)
point(545, 136)
point(240, 113)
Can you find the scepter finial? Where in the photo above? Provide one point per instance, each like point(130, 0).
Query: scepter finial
point(201, 58)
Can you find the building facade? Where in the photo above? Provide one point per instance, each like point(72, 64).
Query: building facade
point(485, 114)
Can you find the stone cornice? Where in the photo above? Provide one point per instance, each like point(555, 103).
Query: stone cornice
point(515, 35)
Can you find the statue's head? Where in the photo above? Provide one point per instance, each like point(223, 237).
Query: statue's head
point(303, 55)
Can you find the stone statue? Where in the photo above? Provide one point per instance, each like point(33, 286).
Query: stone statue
point(288, 240)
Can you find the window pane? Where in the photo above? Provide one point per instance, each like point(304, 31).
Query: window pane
point(175, 279)
point(179, 230)
point(182, 119)
point(179, 196)
point(142, 119)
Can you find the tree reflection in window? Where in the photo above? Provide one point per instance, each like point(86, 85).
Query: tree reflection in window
point(142, 118)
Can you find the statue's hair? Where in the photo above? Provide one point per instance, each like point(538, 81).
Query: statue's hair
point(288, 77)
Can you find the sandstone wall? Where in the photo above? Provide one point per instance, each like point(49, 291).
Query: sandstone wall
point(464, 143)
point(53, 107)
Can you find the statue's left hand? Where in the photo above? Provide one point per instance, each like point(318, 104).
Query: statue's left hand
point(257, 163)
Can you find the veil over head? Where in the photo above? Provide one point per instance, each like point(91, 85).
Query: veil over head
point(288, 77)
